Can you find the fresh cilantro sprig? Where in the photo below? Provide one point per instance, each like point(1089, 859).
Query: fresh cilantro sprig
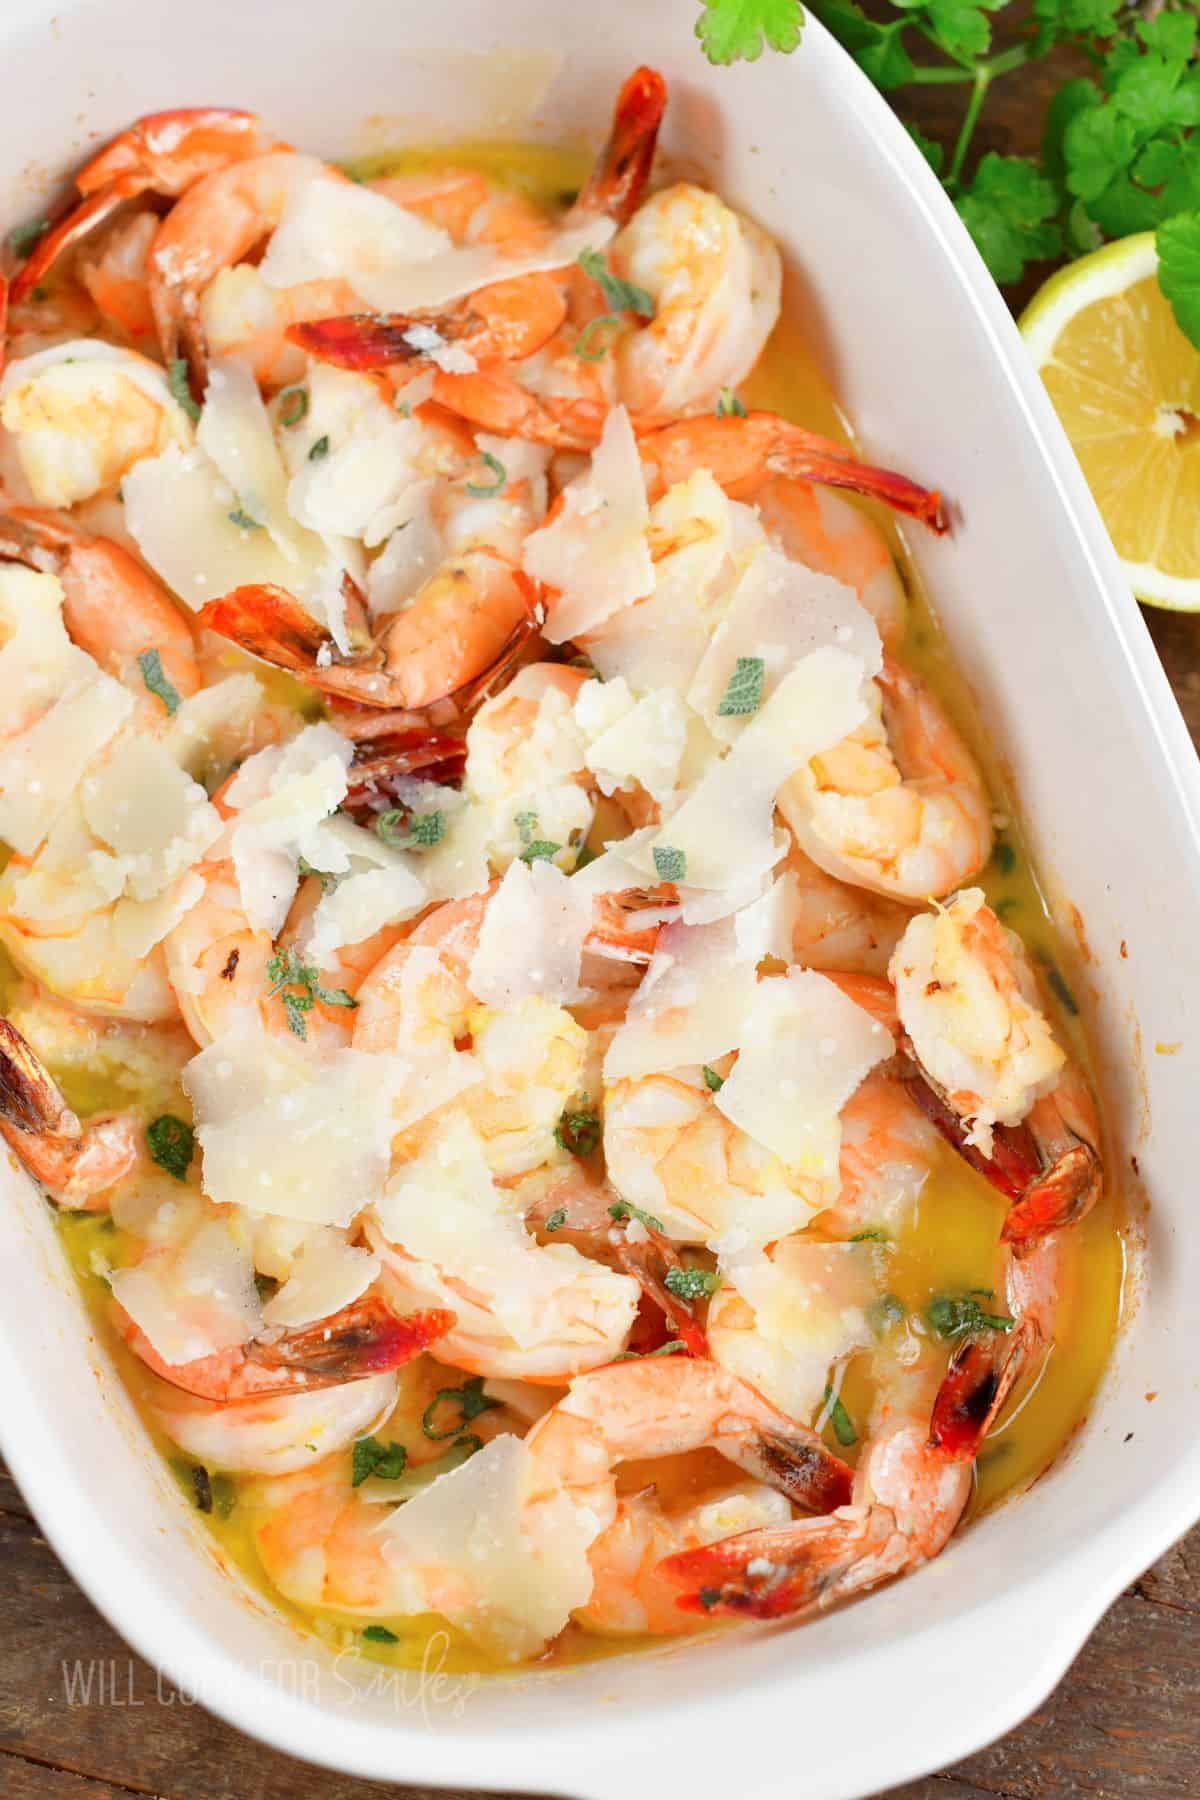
point(1121, 147)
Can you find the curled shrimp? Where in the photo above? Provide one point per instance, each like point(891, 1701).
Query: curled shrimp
point(112, 606)
point(276, 1433)
point(900, 806)
point(837, 926)
point(162, 153)
point(365, 1338)
point(995, 1081)
point(77, 1163)
point(814, 525)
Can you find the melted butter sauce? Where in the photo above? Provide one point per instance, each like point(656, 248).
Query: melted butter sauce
point(950, 1244)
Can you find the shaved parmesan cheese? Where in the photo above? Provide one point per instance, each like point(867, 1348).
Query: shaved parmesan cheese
point(789, 1313)
point(83, 413)
point(38, 661)
point(361, 905)
point(525, 763)
point(691, 1007)
point(779, 612)
point(632, 743)
point(372, 479)
point(41, 767)
point(472, 1548)
point(594, 556)
point(531, 939)
point(804, 1049)
point(214, 728)
point(409, 557)
point(284, 797)
point(725, 828)
point(282, 1132)
point(144, 809)
point(196, 1299)
point(765, 926)
point(339, 231)
point(327, 1275)
point(429, 283)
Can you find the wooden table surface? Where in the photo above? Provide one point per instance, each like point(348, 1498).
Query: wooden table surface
point(1124, 1722)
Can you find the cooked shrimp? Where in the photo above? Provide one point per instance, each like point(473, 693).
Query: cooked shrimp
point(112, 606)
point(1012, 1102)
point(460, 627)
point(83, 413)
point(115, 272)
point(888, 1150)
point(217, 222)
point(815, 526)
point(77, 1163)
point(629, 1591)
point(526, 761)
point(163, 153)
point(365, 1338)
point(276, 1434)
point(838, 926)
point(899, 806)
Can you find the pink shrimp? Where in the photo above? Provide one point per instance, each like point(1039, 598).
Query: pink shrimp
point(78, 1163)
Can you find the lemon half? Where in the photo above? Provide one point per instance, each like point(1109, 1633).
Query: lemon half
point(1125, 382)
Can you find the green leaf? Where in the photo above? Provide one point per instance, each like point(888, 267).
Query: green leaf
point(425, 830)
point(150, 663)
point(1058, 19)
point(243, 520)
point(691, 1284)
point(469, 1400)
point(583, 342)
point(839, 1418)
point(737, 30)
point(728, 405)
point(177, 381)
point(625, 1209)
point(669, 1349)
point(319, 449)
point(370, 1457)
point(1073, 97)
point(287, 972)
point(293, 405)
point(712, 1081)
point(872, 1235)
point(670, 864)
point(556, 1219)
point(932, 152)
point(541, 850)
point(960, 1315)
point(1178, 245)
point(1009, 210)
point(743, 693)
point(22, 238)
point(379, 1634)
point(579, 1131)
point(172, 1144)
point(619, 296)
point(960, 27)
point(482, 490)
point(877, 49)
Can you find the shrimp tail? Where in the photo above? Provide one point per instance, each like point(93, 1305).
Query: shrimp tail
point(30, 1099)
point(618, 180)
point(772, 1574)
point(76, 1163)
point(1056, 1199)
point(802, 1467)
point(365, 1338)
point(804, 456)
point(381, 763)
point(366, 340)
point(982, 1374)
point(270, 623)
point(650, 1263)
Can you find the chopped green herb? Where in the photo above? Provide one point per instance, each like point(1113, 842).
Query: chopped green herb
point(370, 1457)
point(242, 520)
point(481, 490)
point(379, 1634)
point(411, 831)
point(40, 293)
point(839, 1418)
point(885, 1312)
point(556, 1219)
point(712, 1081)
point(293, 405)
point(960, 1315)
point(872, 1235)
point(22, 238)
point(671, 1348)
point(328, 882)
point(150, 663)
point(729, 406)
point(541, 850)
point(735, 30)
point(578, 1131)
point(583, 856)
point(1002, 908)
point(709, 1597)
point(265, 1286)
point(526, 824)
point(1004, 857)
point(288, 972)
point(171, 1143)
point(1058, 986)
point(177, 381)
point(583, 343)
point(744, 692)
point(404, 408)
point(470, 1441)
point(692, 1284)
point(625, 1209)
point(619, 296)
point(669, 864)
point(319, 449)
point(469, 1399)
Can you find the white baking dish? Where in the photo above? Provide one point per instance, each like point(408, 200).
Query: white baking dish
point(927, 363)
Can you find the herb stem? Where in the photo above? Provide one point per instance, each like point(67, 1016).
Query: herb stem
point(979, 90)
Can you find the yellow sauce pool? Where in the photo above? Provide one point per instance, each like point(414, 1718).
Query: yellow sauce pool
point(951, 1243)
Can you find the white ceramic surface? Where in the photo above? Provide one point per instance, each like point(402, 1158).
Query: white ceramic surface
point(926, 361)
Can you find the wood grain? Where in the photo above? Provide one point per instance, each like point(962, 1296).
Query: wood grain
point(1123, 1725)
